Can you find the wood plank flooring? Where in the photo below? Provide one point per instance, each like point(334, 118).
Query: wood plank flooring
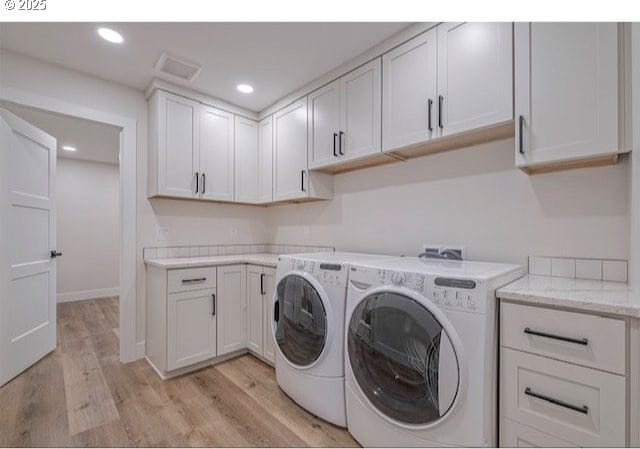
point(81, 395)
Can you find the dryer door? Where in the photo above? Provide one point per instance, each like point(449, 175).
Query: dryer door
point(402, 358)
point(300, 321)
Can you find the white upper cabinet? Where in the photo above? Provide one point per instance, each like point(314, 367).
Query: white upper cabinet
point(360, 111)
point(290, 152)
point(345, 117)
point(173, 163)
point(246, 160)
point(323, 107)
point(566, 92)
point(475, 75)
point(216, 155)
point(265, 160)
point(409, 92)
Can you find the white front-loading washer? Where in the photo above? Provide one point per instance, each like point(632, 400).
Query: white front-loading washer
point(420, 352)
point(308, 310)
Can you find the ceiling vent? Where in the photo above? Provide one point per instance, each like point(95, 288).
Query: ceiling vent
point(176, 69)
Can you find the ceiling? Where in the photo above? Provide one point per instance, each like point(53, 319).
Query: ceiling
point(276, 58)
point(93, 141)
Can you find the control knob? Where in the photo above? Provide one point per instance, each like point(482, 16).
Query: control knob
point(398, 278)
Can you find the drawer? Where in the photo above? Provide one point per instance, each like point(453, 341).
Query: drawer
point(577, 404)
point(588, 340)
point(514, 434)
point(189, 279)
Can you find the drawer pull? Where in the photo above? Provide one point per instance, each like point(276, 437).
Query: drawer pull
point(578, 341)
point(584, 409)
point(191, 281)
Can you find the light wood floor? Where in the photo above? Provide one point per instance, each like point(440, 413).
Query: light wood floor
point(81, 395)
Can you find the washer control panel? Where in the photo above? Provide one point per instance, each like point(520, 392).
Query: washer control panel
point(446, 292)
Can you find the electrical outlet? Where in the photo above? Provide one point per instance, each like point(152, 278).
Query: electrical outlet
point(163, 234)
point(234, 233)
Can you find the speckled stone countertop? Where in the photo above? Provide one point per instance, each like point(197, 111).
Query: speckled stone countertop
point(264, 259)
point(614, 298)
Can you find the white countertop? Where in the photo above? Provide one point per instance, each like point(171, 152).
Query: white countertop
point(614, 298)
point(264, 259)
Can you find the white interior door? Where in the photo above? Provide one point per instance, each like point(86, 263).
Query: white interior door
point(27, 238)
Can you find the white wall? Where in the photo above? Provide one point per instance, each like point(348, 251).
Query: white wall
point(87, 228)
point(190, 222)
point(472, 197)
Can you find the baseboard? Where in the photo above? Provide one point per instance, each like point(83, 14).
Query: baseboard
point(88, 294)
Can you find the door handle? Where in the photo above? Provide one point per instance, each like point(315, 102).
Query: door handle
point(340, 150)
point(429, 106)
point(440, 100)
point(203, 183)
point(197, 188)
point(584, 409)
point(55, 254)
point(213, 304)
point(335, 136)
point(520, 134)
point(276, 311)
point(302, 180)
point(262, 292)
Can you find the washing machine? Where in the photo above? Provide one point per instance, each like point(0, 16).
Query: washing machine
point(308, 327)
point(421, 351)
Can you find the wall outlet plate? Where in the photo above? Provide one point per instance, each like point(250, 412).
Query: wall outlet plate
point(163, 233)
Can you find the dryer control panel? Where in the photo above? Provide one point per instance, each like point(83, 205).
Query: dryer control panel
point(327, 273)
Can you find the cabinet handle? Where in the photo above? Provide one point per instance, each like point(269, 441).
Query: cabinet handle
point(276, 311)
point(584, 409)
point(262, 292)
point(335, 136)
point(191, 281)
point(440, 100)
point(429, 105)
point(302, 180)
point(340, 150)
point(54, 253)
point(197, 188)
point(520, 134)
point(213, 304)
point(578, 341)
point(203, 183)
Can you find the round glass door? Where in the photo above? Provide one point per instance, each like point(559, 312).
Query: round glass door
point(301, 321)
point(402, 358)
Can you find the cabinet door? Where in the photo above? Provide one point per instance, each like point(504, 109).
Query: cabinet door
point(191, 328)
point(255, 286)
point(265, 160)
point(360, 111)
point(177, 145)
point(514, 434)
point(216, 154)
point(246, 158)
point(290, 140)
point(269, 351)
point(323, 109)
point(409, 92)
point(475, 75)
point(566, 87)
point(232, 308)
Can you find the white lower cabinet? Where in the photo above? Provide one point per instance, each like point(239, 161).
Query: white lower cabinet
point(557, 396)
point(191, 328)
point(260, 289)
point(197, 316)
point(232, 308)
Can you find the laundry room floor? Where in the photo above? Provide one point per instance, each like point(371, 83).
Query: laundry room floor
point(81, 395)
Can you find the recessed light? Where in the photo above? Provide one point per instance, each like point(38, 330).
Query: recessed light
point(245, 88)
point(110, 35)
point(68, 148)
